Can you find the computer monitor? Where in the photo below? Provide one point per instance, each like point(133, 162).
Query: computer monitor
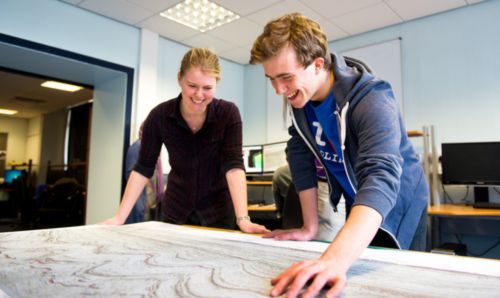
point(10, 175)
point(274, 155)
point(475, 164)
point(252, 158)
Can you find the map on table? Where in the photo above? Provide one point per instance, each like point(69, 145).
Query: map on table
point(162, 260)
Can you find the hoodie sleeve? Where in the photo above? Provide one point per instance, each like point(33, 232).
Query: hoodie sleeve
point(378, 127)
point(301, 162)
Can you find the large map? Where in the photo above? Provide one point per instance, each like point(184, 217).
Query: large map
point(160, 260)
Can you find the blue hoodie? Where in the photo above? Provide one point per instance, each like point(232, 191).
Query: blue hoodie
point(379, 159)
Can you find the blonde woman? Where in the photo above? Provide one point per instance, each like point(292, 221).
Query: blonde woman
point(203, 136)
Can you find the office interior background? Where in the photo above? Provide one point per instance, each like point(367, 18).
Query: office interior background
point(449, 79)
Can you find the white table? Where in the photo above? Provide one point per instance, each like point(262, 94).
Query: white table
point(162, 260)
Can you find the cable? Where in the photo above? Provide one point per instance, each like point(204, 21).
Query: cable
point(451, 200)
point(459, 239)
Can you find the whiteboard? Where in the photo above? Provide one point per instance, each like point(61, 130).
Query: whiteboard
point(385, 60)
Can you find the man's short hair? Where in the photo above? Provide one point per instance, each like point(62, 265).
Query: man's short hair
point(296, 30)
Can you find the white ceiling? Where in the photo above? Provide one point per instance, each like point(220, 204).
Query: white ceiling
point(233, 41)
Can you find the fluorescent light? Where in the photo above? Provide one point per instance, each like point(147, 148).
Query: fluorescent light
point(201, 15)
point(8, 112)
point(61, 86)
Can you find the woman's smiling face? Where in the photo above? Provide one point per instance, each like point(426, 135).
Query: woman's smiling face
point(197, 88)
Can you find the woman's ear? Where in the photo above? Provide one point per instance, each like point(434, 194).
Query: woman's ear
point(179, 78)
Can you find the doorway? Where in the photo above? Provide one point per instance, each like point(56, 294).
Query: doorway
point(110, 124)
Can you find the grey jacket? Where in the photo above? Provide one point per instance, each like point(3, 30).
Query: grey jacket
point(379, 158)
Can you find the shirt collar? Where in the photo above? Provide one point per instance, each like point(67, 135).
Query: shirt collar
point(176, 112)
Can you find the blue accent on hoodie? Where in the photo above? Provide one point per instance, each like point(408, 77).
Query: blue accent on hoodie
point(323, 126)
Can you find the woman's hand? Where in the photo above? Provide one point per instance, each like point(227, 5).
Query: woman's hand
point(115, 220)
point(249, 227)
point(307, 279)
point(301, 234)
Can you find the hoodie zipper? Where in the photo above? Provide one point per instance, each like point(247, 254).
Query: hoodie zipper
point(343, 133)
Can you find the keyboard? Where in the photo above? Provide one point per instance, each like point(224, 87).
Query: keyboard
point(486, 205)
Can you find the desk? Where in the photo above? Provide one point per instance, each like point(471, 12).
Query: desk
point(462, 219)
point(262, 208)
point(261, 183)
point(156, 259)
point(266, 215)
point(461, 210)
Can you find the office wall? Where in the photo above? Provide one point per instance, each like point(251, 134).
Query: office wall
point(255, 106)
point(17, 130)
point(232, 84)
point(450, 71)
point(64, 26)
point(107, 111)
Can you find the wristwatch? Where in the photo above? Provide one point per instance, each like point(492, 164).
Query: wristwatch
point(240, 218)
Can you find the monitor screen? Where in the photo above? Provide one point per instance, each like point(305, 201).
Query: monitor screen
point(471, 163)
point(10, 175)
point(252, 158)
point(274, 155)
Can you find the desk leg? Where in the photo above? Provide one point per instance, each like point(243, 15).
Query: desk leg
point(435, 232)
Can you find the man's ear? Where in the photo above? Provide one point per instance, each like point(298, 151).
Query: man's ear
point(319, 62)
point(179, 78)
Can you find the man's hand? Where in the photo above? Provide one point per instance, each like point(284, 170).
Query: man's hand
point(247, 226)
point(320, 273)
point(331, 269)
point(302, 234)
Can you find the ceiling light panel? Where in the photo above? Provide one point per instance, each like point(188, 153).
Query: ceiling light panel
point(61, 86)
point(7, 112)
point(201, 15)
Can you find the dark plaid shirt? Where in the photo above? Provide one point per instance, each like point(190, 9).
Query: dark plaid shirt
point(199, 162)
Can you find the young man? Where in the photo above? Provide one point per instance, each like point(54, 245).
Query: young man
point(349, 120)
